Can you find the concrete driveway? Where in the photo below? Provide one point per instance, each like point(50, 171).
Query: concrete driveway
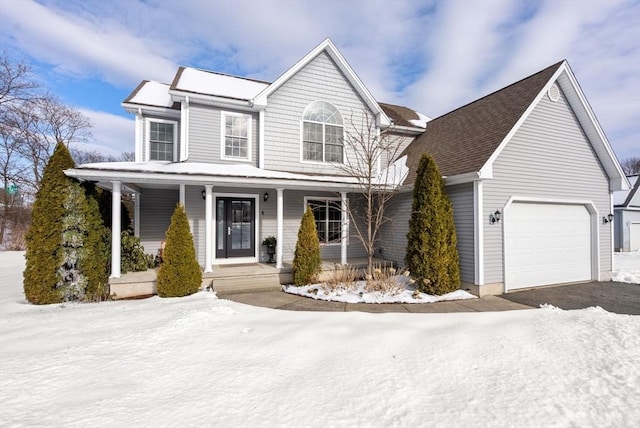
point(617, 297)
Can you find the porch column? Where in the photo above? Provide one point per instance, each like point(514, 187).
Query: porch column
point(343, 230)
point(136, 213)
point(181, 195)
point(115, 229)
point(279, 228)
point(208, 219)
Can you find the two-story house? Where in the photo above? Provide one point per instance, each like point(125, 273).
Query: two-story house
point(246, 158)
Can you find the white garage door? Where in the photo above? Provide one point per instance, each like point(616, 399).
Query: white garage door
point(634, 236)
point(546, 244)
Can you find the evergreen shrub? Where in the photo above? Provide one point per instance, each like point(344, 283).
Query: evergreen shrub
point(44, 252)
point(306, 259)
point(179, 274)
point(432, 256)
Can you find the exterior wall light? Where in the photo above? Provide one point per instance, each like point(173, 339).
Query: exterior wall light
point(607, 219)
point(204, 195)
point(495, 217)
point(265, 196)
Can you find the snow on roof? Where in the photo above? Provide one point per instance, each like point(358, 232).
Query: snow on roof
point(421, 121)
point(152, 94)
point(216, 84)
point(212, 169)
point(395, 174)
point(620, 196)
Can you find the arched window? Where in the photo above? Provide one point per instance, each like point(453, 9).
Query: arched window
point(322, 133)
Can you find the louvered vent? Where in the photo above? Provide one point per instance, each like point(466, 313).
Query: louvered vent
point(554, 92)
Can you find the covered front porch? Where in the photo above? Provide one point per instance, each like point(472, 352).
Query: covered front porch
point(231, 210)
point(242, 278)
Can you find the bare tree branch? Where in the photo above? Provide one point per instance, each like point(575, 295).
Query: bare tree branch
point(371, 158)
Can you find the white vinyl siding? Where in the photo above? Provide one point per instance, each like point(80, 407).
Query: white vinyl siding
point(322, 80)
point(156, 208)
point(549, 157)
point(461, 197)
point(206, 134)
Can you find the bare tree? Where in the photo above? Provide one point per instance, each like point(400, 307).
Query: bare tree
point(15, 81)
point(372, 161)
point(82, 157)
point(31, 123)
point(631, 165)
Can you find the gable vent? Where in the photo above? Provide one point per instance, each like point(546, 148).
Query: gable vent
point(554, 92)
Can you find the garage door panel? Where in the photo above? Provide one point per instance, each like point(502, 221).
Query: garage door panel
point(547, 244)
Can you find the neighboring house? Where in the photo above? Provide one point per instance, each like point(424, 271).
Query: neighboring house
point(246, 157)
point(626, 209)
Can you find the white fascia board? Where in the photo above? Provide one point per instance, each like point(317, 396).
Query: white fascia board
point(180, 96)
point(146, 109)
point(199, 179)
point(462, 178)
point(327, 45)
point(405, 129)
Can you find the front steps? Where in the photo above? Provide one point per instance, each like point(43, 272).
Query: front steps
point(225, 279)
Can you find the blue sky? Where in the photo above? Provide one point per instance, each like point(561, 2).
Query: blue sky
point(432, 56)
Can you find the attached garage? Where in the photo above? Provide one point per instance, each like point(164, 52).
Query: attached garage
point(548, 243)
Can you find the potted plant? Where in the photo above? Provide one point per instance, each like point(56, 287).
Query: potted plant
point(270, 243)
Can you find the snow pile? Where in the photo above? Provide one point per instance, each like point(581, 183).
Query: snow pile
point(626, 267)
point(421, 121)
point(201, 361)
point(359, 295)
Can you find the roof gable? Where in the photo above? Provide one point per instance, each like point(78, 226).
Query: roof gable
point(327, 46)
point(463, 140)
point(630, 198)
point(466, 141)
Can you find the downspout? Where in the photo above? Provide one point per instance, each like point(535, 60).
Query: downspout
point(138, 136)
point(184, 130)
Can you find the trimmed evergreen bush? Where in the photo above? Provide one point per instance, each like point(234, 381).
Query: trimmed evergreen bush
point(432, 256)
point(43, 241)
point(179, 274)
point(306, 260)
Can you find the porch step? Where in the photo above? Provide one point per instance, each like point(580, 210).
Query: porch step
point(249, 283)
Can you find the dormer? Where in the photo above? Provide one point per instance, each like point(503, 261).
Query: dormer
point(157, 122)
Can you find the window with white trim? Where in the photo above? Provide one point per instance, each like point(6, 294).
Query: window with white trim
point(322, 133)
point(328, 215)
point(162, 136)
point(236, 136)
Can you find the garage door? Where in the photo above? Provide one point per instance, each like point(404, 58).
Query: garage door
point(634, 236)
point(546, 244)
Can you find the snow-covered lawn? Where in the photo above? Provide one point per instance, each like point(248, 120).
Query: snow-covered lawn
point(201, 361)
point(626, 267)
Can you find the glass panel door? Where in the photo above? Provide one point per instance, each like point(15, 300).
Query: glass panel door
point(235, 220)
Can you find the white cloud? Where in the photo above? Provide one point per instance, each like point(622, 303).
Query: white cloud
point(85, 47)
point(112, 134)
point(431, 55)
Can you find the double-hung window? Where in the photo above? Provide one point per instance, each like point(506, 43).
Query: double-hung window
point(322, 133)
point(236, 136)
point(328, 215)
point(162, 136)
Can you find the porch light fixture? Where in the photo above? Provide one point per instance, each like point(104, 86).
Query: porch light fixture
point(607, 219)
point(265, 196)
point(204, 195)
point(495, 217)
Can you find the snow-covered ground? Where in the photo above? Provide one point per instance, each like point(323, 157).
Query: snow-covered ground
point(201, 361)
point(626, 267)
point(406, 293)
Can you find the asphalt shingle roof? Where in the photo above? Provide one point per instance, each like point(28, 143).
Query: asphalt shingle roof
point(462, 140)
